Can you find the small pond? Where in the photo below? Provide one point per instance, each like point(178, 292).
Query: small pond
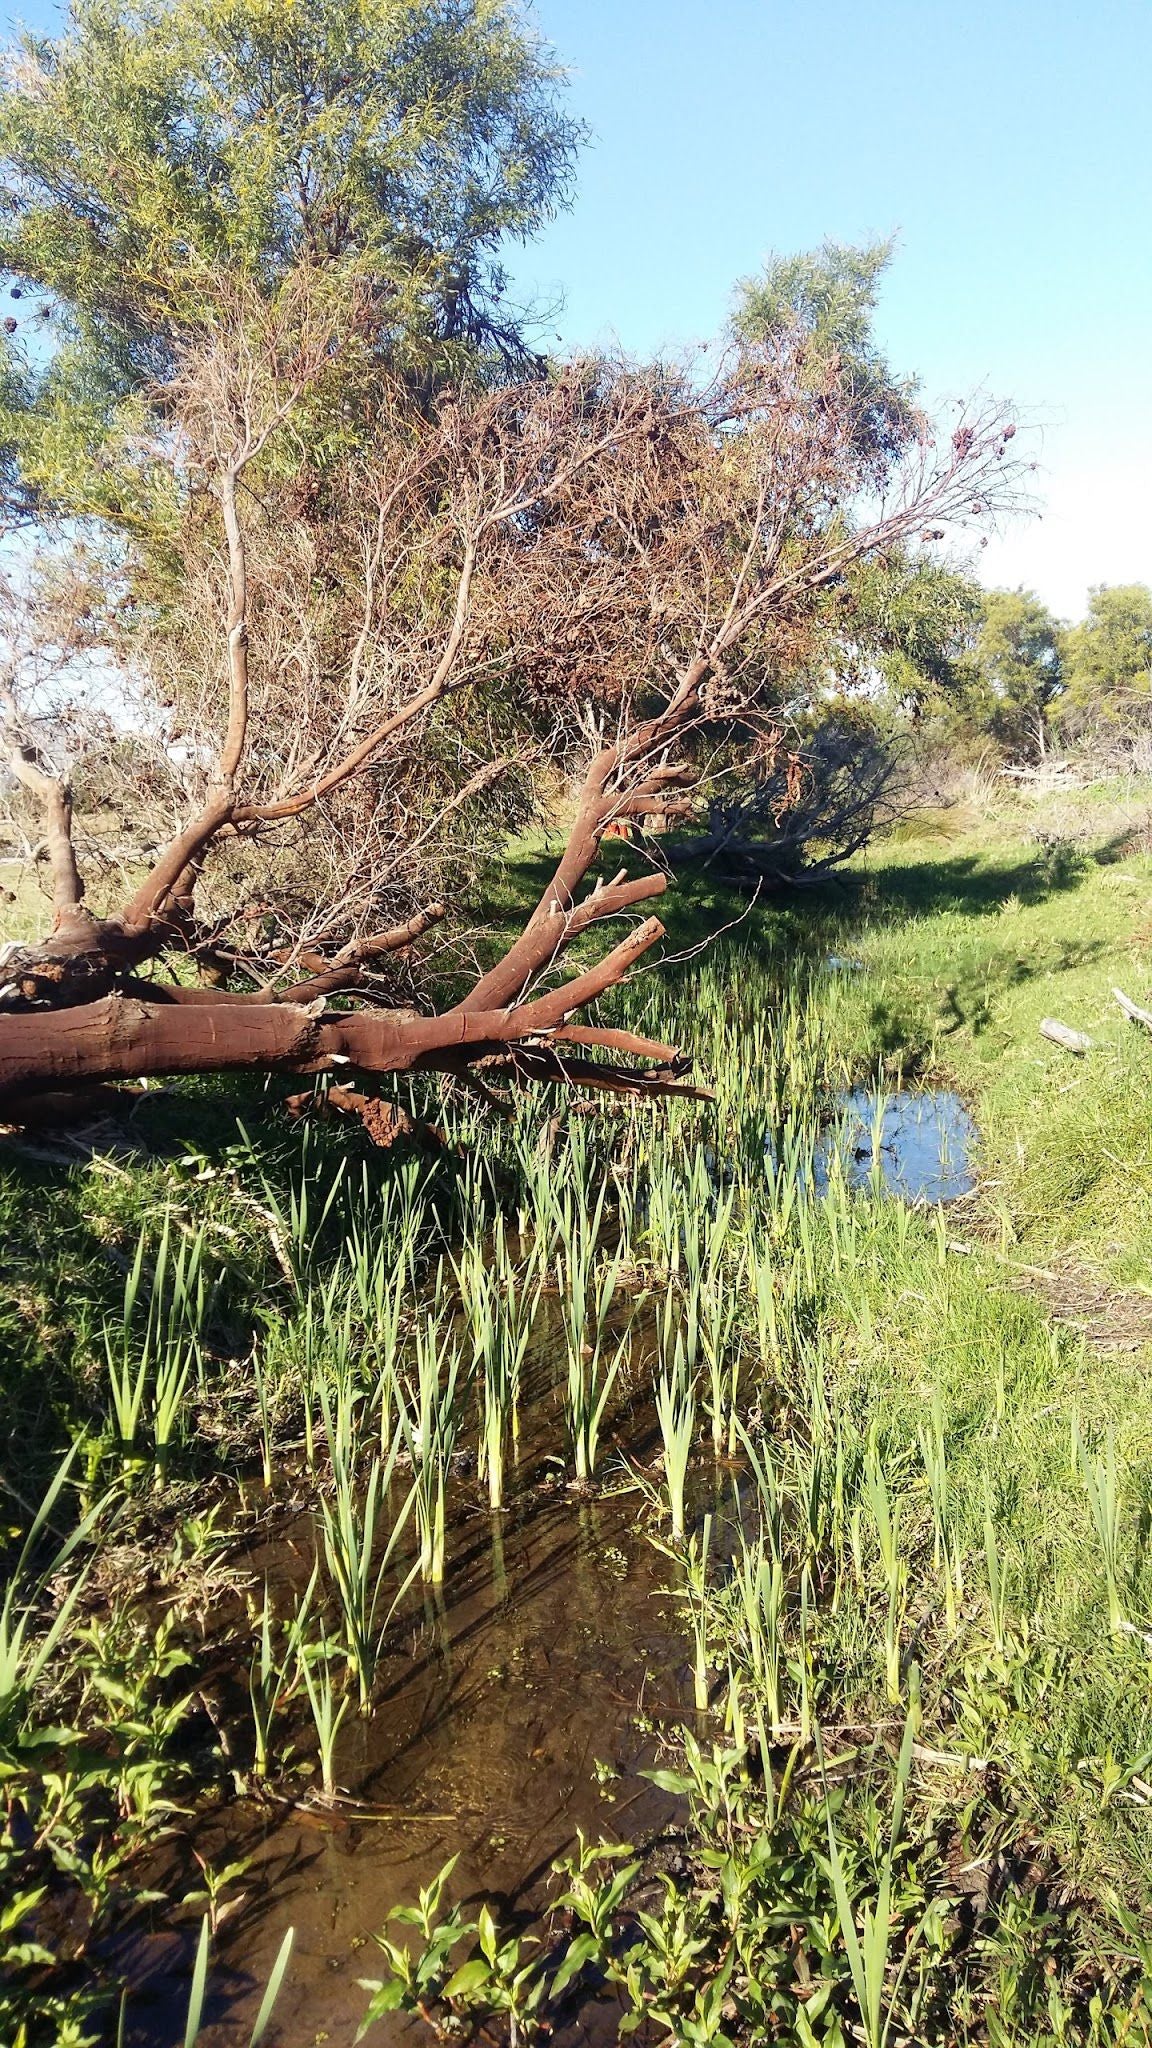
point(921, 1140)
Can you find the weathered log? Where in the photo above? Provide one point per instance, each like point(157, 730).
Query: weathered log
point(1132, 1011)
point(1063, 1035)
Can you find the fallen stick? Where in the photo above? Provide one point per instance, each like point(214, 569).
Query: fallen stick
point(1132, 1011)
point(1063, 1035)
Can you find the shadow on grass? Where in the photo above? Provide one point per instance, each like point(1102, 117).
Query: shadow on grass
point(806, 921)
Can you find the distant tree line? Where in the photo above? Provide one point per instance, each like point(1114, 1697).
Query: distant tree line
point(1017, 677)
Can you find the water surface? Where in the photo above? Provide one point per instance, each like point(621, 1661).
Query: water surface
point(919, 1140)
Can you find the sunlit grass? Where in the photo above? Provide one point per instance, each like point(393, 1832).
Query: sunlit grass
point(895, 1495)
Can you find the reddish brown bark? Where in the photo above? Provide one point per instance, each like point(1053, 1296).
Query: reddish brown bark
point(121, 1038)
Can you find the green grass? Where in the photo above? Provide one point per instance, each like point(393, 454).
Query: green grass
point(917, 1795)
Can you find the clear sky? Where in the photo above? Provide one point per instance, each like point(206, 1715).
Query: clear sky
point(1008, 146)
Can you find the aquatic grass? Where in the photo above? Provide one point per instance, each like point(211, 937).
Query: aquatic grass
point(382, 1250)
point(317, 1661)
point(328, 1362)
point(151, 1351)
point(769, 1488)
point(758, 1579)
point(350, 1528)
point(196, 1997)
point(678, 1324)
point(584, 1313)
point(663, 1211)
point(430, 1422)
point(696, 1554)
point(299, 1218)
point(520, 1295)
point(128, 1369)
point(173, 1372)
point(273, 1675)
point(499, 1306)
point(492, 1375)
point(260, 1382)
point(676, 1413)
point(720, 1346)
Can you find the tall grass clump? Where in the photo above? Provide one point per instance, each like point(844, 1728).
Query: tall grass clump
point(154, 1347)
point(358, 1560)
point(430, 1422)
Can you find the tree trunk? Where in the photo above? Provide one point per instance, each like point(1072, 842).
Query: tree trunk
point(122, 1038)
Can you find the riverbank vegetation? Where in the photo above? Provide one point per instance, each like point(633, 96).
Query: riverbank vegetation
point(911, 1801)
point(564, 1473)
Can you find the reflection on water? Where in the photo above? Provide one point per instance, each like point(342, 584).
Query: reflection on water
point(919, 1141)
point(553, 1648)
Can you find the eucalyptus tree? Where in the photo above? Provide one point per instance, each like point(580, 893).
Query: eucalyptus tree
point(159, 154)
point(1108, 660)
point(1015, 672)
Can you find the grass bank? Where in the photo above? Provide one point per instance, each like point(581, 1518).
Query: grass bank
point(918, 1721)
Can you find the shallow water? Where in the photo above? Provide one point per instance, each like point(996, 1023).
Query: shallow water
point(553, 1647)
point(926, 1138)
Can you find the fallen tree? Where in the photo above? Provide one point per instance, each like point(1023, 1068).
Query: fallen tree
point(624, 558)
point(324, 588)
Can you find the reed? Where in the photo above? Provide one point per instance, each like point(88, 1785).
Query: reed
point(318, 1661)
point(151, 1353)
point(676, 1414)
point(327, 1351)
point(720, 1348)
point(260, 1381)
point(758, 1580)
point(430, 1423)
point(273, 1674)
point(696, 1576)
point(197, 1993)
point(585, 1307)
point(298, 1219)
point(358, 1564)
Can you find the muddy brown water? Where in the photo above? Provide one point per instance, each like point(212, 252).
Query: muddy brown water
point(519, 1704)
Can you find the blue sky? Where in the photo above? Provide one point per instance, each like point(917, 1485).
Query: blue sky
point(1007, 146)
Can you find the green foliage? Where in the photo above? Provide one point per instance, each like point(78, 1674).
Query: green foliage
point(158, 157)
point(822, 302)
point(1108, 660)
point(918, 616)
point(936, 1477)
point(1014, 672)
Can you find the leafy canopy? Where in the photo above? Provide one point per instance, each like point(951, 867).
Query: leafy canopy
point(158, 154)
point(1110, 654)
point(825, 299)
point(1015, 671)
